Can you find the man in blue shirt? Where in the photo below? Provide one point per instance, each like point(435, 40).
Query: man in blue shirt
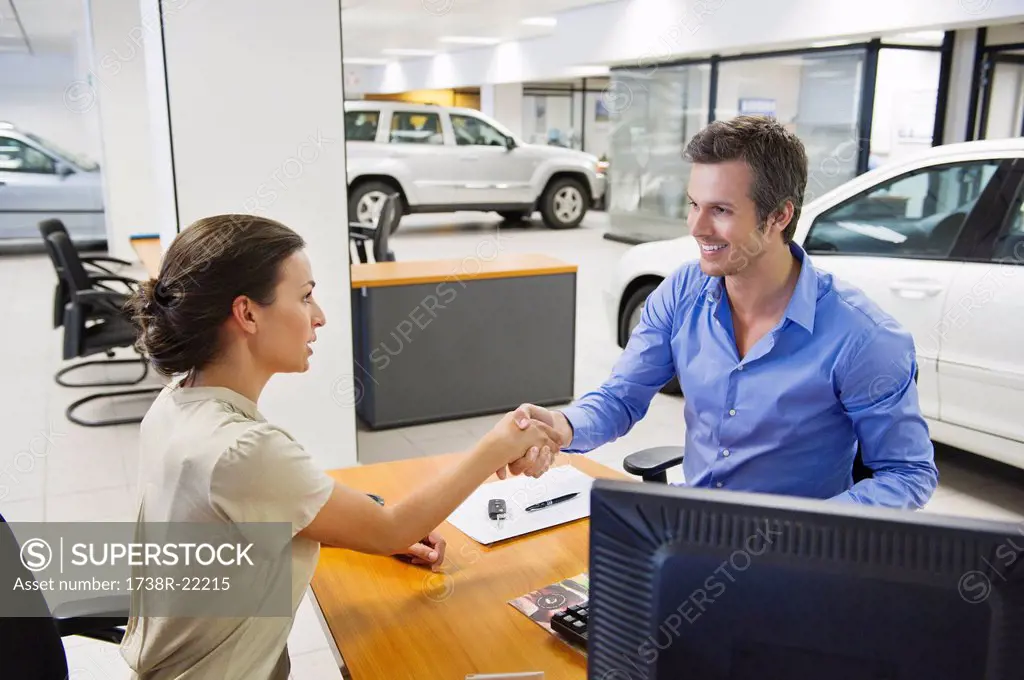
point(784, 368)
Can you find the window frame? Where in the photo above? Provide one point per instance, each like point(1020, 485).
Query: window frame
point(970, 243)
point(415, 112)
point(54, 162)
point(377, 128)
point(455, 138)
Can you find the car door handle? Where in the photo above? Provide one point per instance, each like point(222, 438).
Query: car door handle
point(916, 289)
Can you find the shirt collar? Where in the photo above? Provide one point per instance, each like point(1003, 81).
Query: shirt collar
point(187, 395)
point(804, 302)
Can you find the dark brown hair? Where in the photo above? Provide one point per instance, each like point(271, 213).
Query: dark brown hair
point(208, 265)
point(775, 156)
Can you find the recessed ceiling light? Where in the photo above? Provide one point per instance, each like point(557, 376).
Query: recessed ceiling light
point(540, 21)
point(405, 52)
point(469, 40)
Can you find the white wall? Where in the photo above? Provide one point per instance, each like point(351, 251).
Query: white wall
point(641, 32)
point(505, 104)
point(261, 131)
point(34, 96)
point(118, 83)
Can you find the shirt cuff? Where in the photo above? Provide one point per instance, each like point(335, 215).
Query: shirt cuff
point(577, 419)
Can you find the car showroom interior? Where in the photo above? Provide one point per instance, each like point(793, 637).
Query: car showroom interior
point(675, 338)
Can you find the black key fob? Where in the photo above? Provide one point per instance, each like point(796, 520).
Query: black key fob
point(496, 508)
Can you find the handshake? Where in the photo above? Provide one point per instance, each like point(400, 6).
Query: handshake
point(526, 440)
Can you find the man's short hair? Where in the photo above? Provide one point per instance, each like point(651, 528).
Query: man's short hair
point(775, 156)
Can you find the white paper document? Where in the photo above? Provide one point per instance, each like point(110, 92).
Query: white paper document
point(519, 493)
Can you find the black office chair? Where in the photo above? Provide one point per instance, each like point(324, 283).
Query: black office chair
point(92, 265)
point(30, 634)
point(95, 322)
point(652, 464)
point(379, 234)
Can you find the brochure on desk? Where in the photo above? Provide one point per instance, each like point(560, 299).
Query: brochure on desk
point(520, 492)
point(540, 605)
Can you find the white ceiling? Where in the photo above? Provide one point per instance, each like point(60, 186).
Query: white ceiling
point(371, 26)
point(40, 25)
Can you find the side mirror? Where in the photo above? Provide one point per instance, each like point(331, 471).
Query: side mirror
point(63, 169)
point(510, 143)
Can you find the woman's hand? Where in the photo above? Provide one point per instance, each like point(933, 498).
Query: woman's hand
point(429, 551)
point(512, 439)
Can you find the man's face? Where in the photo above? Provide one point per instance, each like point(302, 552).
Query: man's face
point(723, 218)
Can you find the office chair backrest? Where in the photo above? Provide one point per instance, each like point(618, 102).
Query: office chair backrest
point(70, 262)
point(47, 227)
point(386, 223)
point(30, 642)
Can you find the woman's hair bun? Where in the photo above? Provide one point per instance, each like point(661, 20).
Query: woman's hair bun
point(179, 314)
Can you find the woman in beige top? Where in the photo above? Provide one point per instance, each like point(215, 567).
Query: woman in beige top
point(232, 306)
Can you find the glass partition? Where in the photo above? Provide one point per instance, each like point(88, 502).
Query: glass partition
point(816, 95)
point(906, 91)
point(652, 114)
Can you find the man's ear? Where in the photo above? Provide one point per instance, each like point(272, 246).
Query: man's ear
point(781, 216)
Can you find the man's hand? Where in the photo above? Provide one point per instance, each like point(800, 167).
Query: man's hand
point(536, 463)
point(429, 551)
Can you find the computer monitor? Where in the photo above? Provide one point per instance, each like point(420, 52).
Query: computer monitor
point(707, 584)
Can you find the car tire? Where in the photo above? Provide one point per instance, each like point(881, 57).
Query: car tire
point(564, 204)
point(516, 215)
point(628, 321)
point(361, 198)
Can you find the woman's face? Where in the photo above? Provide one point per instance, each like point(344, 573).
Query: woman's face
point(287, 328)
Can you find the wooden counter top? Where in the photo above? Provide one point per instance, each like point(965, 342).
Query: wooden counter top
point(375, 274)
point(393, 620)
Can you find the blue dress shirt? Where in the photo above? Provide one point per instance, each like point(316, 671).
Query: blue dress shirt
point(786, 418)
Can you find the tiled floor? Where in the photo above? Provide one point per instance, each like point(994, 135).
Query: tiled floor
point(53, 470)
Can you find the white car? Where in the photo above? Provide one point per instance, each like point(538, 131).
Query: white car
point(448, 159)
point(937, 241)
point(39, 181)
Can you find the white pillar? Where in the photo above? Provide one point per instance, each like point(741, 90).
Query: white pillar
point(255, 114)
point(504, 103)
point(961, 73)
point(116, 82)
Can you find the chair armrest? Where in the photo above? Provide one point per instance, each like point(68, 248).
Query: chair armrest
point(112, 300)
point(92, 615)
point(132, 284)
point(651, 464)
point(101, 258)
point(360, 231)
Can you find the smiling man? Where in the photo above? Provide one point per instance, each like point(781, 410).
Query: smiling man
point(784, 368)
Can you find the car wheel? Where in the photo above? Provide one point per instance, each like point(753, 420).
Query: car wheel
point(631, 312)
point(366, 201)
point(516, 216)
point(564, 204)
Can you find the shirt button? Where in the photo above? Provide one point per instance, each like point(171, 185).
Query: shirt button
point(740, 367)
point(725, 453)
point(718, 484)
point(732, 411)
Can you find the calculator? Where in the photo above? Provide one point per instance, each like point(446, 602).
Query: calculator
point(571, 623)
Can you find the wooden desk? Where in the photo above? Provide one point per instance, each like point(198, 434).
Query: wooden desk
point(149, 252)
point(377, 274)
point(393, 620)
point(421, 331)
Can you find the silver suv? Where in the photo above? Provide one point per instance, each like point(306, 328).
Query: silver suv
point(447, 159)
point(39, 181)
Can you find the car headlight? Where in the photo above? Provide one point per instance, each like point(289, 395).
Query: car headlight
point(601, 167)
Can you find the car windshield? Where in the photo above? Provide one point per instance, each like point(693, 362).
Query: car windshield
point(81, 160)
